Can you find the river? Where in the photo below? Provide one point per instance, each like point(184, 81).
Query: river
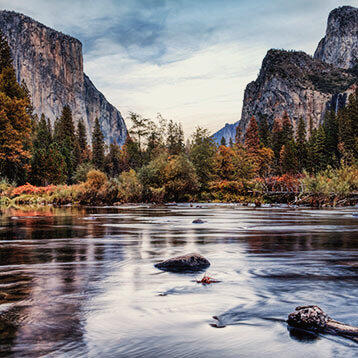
point(81, 282)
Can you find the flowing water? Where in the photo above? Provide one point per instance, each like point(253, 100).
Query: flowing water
point(81, 282)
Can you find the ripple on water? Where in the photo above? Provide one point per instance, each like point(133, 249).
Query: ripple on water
point(82, 283)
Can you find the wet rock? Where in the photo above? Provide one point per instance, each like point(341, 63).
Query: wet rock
point(313, 318)
point(198, 221)
point(189, 262)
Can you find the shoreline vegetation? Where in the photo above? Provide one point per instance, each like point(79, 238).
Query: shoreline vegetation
point(331, 188)
point(280, 161)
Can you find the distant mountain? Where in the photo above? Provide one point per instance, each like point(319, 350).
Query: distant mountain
point(227, 132)
point(51, 65)
point(303, 86)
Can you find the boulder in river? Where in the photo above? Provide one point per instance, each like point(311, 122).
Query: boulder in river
point(189, 262)
point(198, 221)
point(313, 318)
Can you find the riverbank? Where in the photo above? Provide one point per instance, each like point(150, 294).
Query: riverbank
point(331, 188)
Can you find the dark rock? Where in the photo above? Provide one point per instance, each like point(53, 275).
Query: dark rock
point(189, 262)
point(311, 318)
point(198, 221)
point(314, 319)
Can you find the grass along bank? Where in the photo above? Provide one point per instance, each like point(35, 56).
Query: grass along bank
point(330, 187)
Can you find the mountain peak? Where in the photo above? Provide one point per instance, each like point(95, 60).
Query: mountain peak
point(340, 45)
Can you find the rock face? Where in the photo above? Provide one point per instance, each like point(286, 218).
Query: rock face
point(295, 83)
point(189, 262)
point(340, 45)
point(304, 86)
point(51, 65)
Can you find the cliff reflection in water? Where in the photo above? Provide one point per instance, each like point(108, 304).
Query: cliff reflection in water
point(81, 281)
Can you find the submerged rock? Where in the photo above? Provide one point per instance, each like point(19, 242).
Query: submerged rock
point(189, 262)
point(198, 221)
point(313, 318)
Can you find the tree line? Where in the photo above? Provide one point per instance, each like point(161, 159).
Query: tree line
point(156, 163)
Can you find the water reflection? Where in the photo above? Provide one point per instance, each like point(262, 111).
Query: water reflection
point(81, 281)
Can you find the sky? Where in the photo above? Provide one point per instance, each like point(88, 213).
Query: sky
point(189, 60)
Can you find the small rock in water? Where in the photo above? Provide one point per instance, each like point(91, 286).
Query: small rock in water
point(311, 318)
point(198, 221)
point(189, 262)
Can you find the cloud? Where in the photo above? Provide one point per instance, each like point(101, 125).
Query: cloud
point(189, 60)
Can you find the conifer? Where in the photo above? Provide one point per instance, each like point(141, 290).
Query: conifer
point(65, 139)
point(264, 132)
point(15, 121)
point(97, 146)
point(301, 145)
point(252, 141)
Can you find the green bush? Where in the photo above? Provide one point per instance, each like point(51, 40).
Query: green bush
point(331, 182)
point(129, 187)
point(82, 171)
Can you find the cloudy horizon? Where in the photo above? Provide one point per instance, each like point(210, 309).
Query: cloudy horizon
point(190, 61)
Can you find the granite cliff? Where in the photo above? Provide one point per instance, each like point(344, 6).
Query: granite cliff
point(298, 84)
point(51, 65)
point(302, 85)
point(340, 45)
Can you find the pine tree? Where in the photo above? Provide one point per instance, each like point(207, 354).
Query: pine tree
point(316, 151)
point(97, 146)
point(82, 145)
point(81, 135)
point(175, 138)
point(264, 132)
point(5, 53)
point(277, 142)
point(155, 143)
point(139, 128)
point(15, 120)
point(330, 127)
point(301, 145)
point(287, 129)
point(348, 129)
point(47, 163)
point(65, 139)
point(113, 160)
point(252, 141)
point(223, 141)
point(288, 158)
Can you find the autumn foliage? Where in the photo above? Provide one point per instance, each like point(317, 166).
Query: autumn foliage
point(45, 162)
